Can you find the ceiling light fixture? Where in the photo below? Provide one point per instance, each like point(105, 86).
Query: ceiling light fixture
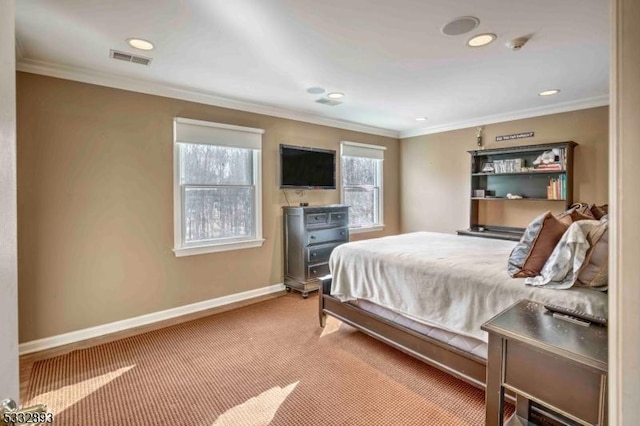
point(315, 90)
point(421, 119)
point(140, 44)
point(335, 95)
point(481, 40)
point(549, 92)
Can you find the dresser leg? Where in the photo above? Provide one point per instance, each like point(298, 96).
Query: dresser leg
point(494, 394)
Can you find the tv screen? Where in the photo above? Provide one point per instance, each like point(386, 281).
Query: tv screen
point(309, 168)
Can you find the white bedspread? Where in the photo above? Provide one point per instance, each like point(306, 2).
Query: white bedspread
point(448, 281)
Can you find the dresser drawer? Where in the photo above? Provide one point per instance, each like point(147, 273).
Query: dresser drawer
point(338, 218)
point(568, 386)
point(319, 270)
point(312, 219)
point(317, 254)
point(327, 235)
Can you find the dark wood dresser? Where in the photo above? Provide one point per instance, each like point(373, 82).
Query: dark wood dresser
point(310, 235)
point(551, 365)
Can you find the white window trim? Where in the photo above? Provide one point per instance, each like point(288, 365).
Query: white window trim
point(365, 229)
point(180, 249)
point(379, 226)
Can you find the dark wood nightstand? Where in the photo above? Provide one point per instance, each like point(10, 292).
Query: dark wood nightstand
point(549, 362)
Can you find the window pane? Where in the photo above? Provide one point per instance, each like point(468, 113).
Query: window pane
point(215, 165)
point(211, 213)
point(363, 202)
point(359, 171)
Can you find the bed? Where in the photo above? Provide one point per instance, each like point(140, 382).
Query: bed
point(427, 294)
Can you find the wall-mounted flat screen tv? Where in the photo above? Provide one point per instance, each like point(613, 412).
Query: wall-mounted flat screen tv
point(307, 168)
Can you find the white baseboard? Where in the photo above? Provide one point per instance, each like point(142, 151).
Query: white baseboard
point(101, 330)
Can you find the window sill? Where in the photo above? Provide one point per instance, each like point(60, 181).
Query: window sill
point(215, 248)
point(363, 229)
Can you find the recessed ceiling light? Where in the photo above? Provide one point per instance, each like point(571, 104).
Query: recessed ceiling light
point(335, 95)
point(421, 119)
point(549, 92)
point(481, 40)
point(139, 43)
point(315, 90)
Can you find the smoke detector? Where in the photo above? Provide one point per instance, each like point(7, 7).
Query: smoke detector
point(517, 43)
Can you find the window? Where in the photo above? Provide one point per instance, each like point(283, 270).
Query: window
point(217, 187)
point(362, 185)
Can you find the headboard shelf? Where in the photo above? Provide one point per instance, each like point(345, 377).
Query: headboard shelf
point(510, 186)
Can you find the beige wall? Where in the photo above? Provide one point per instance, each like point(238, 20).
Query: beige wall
point(435, 169)
point(96, 209)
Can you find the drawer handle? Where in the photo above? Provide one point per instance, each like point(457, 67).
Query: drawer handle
point(313, 237)
point(342, 233)
point(339, 216)
point(317, 218)
point(313, 271)
point(313, 254)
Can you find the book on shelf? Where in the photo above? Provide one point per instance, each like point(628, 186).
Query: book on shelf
point(551, 166)
point(557, 188)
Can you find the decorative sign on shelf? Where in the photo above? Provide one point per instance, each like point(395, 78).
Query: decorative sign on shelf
point(514, 136)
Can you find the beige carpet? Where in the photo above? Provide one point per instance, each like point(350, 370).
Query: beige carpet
point(269, 363)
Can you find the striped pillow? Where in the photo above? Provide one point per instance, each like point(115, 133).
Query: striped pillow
point(538, 241)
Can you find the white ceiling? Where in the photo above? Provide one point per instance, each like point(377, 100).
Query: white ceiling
point(388, 57)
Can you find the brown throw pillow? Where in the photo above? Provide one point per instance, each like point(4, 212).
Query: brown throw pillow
point(594, 272)
point(574, 214)
point(577, 215)
point(565, 217)
point(538, 241)
point(599, 211)
point(583, 208)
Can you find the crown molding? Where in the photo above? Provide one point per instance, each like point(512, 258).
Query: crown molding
point(586, 103)
point(84, 75)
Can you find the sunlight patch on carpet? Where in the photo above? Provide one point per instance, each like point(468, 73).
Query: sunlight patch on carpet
point(60, 399)
point(258, 410)
point(331, 326)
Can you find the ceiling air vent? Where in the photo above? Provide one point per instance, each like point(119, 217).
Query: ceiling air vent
point(127, 57)
point(330, 102)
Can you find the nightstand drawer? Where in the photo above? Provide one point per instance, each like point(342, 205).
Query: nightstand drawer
point(327, 235)
point(312, 219)
point(319, 270)
point(563, 384)
point(316, 254)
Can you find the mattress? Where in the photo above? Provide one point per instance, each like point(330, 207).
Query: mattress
point(454, 283)
point(466, 344)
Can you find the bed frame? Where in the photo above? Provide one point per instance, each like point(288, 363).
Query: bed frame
point(463, 365)
point(460, 364)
